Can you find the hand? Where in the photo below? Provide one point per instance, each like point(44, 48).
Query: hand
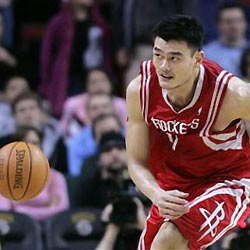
point(106, 213)
point(171, 204)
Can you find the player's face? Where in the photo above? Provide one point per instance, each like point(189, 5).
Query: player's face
point(175, 62)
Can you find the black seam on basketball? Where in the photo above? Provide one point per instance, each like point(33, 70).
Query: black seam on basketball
point(8, 173)
point(30, 172)
point(46, 176)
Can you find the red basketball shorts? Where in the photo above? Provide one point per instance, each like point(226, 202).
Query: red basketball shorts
point(216, 212)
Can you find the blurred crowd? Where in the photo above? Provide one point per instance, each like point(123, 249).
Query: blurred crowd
point(64, 68)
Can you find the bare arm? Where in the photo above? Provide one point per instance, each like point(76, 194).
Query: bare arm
point(170, 203)
point(236, 104)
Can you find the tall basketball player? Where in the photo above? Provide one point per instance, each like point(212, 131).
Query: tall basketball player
point(186, 141)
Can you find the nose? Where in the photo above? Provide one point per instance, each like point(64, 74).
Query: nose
point(164, 65)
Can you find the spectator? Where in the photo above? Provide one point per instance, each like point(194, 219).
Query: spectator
point(75, 108)
point(85, 143)
point(227, 49)
point(107, 179)
point(27, 110)
point(125, 234)
point(54, 197)
point(14, 86)
point(77, 39)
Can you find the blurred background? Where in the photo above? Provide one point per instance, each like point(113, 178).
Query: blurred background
point(64, 68)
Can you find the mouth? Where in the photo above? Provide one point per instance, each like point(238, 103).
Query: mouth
point(165, 77)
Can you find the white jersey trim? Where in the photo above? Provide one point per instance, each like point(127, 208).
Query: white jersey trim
point(223, 140)
point(224, 188)
point(146, 76)
point(196, 93)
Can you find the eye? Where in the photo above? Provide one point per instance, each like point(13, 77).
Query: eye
point(158, 55)
point(174, 58)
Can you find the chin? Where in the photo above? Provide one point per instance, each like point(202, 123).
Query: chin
point(166, 85)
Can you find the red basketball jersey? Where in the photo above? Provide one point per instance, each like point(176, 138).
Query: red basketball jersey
point(185, 153)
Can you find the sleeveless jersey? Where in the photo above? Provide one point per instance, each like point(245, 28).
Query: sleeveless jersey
point(184, 151)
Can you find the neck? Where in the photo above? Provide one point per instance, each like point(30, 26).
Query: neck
point(182, 96)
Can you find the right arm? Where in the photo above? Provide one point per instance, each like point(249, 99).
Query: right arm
point(171, 203)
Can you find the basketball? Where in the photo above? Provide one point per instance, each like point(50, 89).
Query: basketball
point(24, 171)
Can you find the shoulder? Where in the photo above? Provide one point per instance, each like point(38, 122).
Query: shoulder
point(133, 100)
point(133, 88)
point(237, 97)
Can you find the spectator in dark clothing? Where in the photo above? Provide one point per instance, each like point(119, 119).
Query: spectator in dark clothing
point(77, 39)
point(108, 177)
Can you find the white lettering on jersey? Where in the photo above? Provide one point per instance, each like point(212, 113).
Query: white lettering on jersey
point(175, 126)
point(212, 219)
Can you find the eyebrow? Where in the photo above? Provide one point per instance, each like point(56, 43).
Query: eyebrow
point(175, 53)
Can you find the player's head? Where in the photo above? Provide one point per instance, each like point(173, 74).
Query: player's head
point(231, 23)
point(177, 50)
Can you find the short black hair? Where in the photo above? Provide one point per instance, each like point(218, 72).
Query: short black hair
point(180, 28)
point(110, 140)
point(226, 6)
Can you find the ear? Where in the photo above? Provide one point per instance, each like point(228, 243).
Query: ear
point(199, 55)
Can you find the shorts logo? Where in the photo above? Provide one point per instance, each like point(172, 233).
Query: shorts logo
point(212, 219)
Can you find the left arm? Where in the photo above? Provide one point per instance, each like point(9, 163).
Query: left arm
point(236, 104)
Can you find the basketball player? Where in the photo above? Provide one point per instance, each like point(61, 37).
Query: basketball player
point(186, 141)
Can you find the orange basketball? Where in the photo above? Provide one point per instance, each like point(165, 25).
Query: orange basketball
point(24, 171)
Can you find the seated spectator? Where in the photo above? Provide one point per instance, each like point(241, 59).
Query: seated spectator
point(54, 197)
point(85, 143)
point(108, 179)
point(13, 86)
point(123, 233)
point(27, 110)
point(227, 50)
point(75, 108)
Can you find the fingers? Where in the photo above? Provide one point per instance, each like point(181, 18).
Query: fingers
point(173, 204)
point(178, 193)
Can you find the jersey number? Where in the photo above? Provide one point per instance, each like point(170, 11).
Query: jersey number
point(173, 140)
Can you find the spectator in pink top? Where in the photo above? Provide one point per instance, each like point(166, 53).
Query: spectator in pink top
point(53, 198)
point(75, 108)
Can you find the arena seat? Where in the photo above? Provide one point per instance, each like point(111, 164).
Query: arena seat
point(74, 229)
point(19, 231)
